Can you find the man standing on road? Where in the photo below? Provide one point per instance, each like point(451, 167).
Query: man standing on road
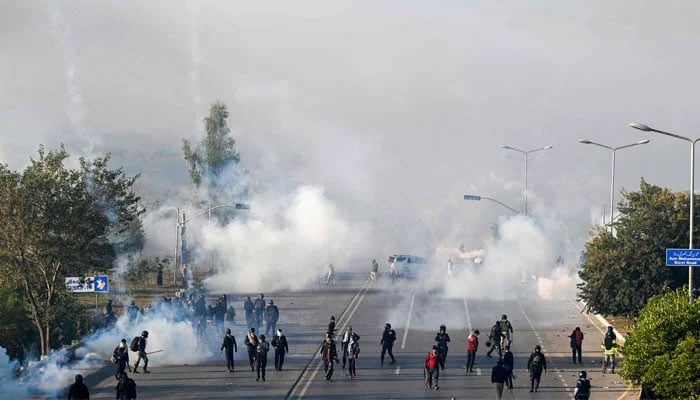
point(329, 352)
point(387, 343)
point(141, 354)
point(348, 337)
point(472, 347)
point(506, 330)
point(508, 364)
point(495, 339)
point(535, 365)
point(583, 387)
point(248, 307)
point(121, 356)
point(251, 343)
point(272, 315)
point(576, 344)
point(78, 390)
point(431, 368)
point(259, 308)
point(279, 343)
point(230, 346)
point(442, 338)
point(609, 347)
point(261, 357)
point(499, 375)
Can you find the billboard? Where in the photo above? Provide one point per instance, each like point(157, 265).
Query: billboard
point(88, 284)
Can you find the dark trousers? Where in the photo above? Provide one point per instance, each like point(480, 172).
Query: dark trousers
point(432, 375)
point(495, 345)
point(251, 359)
point(386, 348)
point(329, 370)
point(229, 359)
point(576, 350)
point(471, 357)
point(261, 362)
point(352, 363)
point(279, 360)
point(249, 319)
point(535, 376)
point(271, 326)
point(443, 356)
point(345, 353)
point(509, 379)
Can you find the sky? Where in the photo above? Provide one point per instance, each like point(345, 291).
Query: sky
point(389, 110)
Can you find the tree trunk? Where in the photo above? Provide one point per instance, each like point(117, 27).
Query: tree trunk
point(47, 339)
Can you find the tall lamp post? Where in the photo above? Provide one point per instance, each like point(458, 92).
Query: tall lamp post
point(691, 193)
point(526, 154)
point(612, 176)
point(479, 198)
point(181, 224)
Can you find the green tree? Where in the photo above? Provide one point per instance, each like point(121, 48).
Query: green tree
point(217, 151)
point(621, 272)
point(52, 225)
point(664, 350)
point(16, 333)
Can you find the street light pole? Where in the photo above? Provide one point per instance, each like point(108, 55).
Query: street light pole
point(612, 175)
point(691, 194)
point(479, 198)
point(526, 154)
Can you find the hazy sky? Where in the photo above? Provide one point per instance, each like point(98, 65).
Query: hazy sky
point(398, 108)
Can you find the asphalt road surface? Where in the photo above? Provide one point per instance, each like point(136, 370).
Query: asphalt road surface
point(416, 316)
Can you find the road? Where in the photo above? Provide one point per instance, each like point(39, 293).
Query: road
point(416, 316)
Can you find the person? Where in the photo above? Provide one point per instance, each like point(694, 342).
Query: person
point(78, 390)
point(248, 307)
point(375, 270)
point(472, 347)
point(330, 278)
point(499, 375)
point(576, 344)
point(506, 330)
point(261, 357)
point(229, 344)
point(251, 342)
point(132, 311)
point(329, 352)
point(141, 354)
point(348, 337)
point(450, 268)
point(231, 315)
point(609, 347)
point(387, 342)
point(495, 340)
point(508, 364)
point(109, 310)
point(121, 356)
point(279, 342)
point(431, 368)
point(259, 310)
point(331, 325)
point(126, 388)
point(442, 338)
point(535, 365)
point(393, 271)
point(272, 315)
point(354, 353)
point(582, 391)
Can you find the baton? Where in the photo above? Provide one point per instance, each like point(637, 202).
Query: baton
point(156, 351)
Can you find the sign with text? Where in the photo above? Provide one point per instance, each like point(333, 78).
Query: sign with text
point(88, 284)
point(682, 257)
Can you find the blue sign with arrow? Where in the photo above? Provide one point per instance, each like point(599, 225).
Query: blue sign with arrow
point(682, 257)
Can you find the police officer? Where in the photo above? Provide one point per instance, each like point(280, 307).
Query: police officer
point(78, 390)
point(248, 307)
point(387, 342)
point(230, 346)
point(141, 354)
point(535, 365)
point(583, 387)
point(279, 343)
point(251, 342)
point(442, 338)
point(261, 357)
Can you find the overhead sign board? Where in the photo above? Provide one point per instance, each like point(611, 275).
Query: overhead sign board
point(682, 257)
point(88, 284)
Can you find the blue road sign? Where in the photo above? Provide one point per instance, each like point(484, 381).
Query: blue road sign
point(682, 257)
point(101, 284)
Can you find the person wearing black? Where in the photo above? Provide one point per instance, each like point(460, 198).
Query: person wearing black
point(499, 375)
point(442, 338)
point(583, 387)
point(494, 341)
point(141, 354)
point(329, 352)
point(279, 343)
point(121, 357)
point(248, 307)
point(251, 342)
point(508, 363)
point(331, 325)
point(387, 342)
point(259, 309)
point(348, 337)
point(230, 346)
point(354, 352)
point(78, 390)
point(272, 314)
point(535, 365)
point(126, 388)
point(261, 357)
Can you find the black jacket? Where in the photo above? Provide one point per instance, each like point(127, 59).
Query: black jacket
point(78, 391)
point(499, 374)
point(388, 337)
point(280, 344)
point(442, 339)
point(229, 343)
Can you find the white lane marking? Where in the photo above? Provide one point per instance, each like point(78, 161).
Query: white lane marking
point(408, 321)
point(478, 371)
point(398, 370)
point(469, 317)
point(342, 328)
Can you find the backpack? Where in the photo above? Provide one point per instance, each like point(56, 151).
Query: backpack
point(609, 341)
point(134, 346)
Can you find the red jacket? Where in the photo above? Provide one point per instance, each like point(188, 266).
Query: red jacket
point(472, 343)
point(432, 360)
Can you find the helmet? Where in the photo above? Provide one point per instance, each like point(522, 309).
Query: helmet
point(442, 328)
point(262, 337)
point(582, 374)
point(504, 317)
point(387, 326)
point(252, 330)
point(144, 333)
point(78, 378)
point(538, 348)
point(228, 331)
point(270, 302)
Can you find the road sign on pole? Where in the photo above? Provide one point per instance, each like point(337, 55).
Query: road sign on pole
point(682, 257)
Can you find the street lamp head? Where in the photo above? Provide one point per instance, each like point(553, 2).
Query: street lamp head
point(645, 141)
point(471, 197)
point(506, 147)
point(641, 127)
point(584, 141)
point(548, 147)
